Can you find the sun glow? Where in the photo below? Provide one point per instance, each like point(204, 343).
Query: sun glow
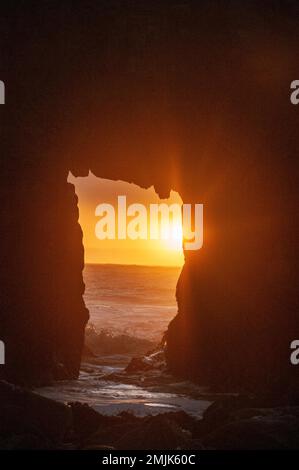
point(172, 238)
point(166, 250)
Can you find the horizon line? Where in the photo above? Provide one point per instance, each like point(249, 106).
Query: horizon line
point(137, 265)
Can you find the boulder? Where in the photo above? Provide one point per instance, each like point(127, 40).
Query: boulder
point(257, 432)
point(158, 433)
point(85, 419)
point(25, 412)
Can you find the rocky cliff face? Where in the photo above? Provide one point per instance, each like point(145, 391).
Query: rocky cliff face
point(197, 102)
point(43, 314)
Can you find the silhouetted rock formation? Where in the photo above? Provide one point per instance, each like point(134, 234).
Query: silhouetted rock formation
point(193, 97)
point(43, 313)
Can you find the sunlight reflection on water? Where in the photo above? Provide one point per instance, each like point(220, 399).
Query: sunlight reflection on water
point(109, 397)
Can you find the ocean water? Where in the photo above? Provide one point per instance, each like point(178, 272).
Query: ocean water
point(133, 305)
point(136, 300)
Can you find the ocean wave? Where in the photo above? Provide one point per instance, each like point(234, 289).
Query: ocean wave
point(103, 341)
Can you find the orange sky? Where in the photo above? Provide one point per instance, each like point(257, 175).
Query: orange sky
point(92, 191)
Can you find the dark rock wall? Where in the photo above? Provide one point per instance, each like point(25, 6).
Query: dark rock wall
point(43, 314)
point(188, 96)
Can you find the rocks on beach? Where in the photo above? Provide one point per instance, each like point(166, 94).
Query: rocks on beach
point(30, 421)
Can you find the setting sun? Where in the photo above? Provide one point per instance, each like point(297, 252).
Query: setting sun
point(172, 239)
point(166, 250)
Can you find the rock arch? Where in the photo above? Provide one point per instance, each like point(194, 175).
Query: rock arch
point(198, 103)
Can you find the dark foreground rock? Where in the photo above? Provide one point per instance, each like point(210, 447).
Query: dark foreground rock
point(246, 422)
point(272, 431)
point(30, 421)
point(24, 413)
point(85, 420)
